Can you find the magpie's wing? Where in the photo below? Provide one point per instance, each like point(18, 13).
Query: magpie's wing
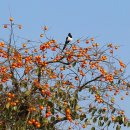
point(66, 42)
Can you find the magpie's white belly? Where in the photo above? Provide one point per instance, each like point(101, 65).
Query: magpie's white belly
point(69, 39)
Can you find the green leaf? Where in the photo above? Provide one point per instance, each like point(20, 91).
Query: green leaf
point(27, 92)
point(52, 118)
point(75, 115)
point(94, 119)
point(118, 127)
point(113, 110)
point(90, 90)
point(99, 111)
point(100, 118)
point(60, 108)
point(112, 99)
point(128, 124)
point(50, 104)
point(52, 110)
point(8, 105)
point(15, 108)
point(108, 123)
point(76, 96)
point(73, 64)
point(1, 87)
point(99, 123)
point(45, 120)
point(41, 101)
point(90, 110)
point(123, 118)
point(37, 71)
point(102, 123)
point(23, 84)
point(105, 119)
point(82, 116)
point(73, 103)
point(103, 111)
point(94, 110)
point(86, 120)
point(56, 95)
point(93, 128)
point(60, 94)
point(120, 121)
point(52, 89)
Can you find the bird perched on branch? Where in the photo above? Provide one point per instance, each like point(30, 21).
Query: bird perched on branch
point(68, 40)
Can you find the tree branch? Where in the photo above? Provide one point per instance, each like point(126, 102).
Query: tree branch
point(84, 85)
point(57, 121)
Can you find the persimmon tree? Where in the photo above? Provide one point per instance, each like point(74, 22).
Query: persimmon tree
point(42, 87)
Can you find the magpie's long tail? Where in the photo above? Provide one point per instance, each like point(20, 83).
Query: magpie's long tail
point(64, 46)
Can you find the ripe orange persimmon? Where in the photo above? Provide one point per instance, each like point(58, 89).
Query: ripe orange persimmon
point(30, 122)
point(38, 125)
point(87, 41)
point(41, 35)
point(41, 107)
point(92, 39)
point(20, 26)
point(45, 28)
point(76, 78)
point(127, 93)
point(11, 19)
point(78, 41)
point(33, 120)
point(68, 111)
point(5, 26)
point(24, 45)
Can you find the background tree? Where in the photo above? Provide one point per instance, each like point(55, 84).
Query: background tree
point(42, 87)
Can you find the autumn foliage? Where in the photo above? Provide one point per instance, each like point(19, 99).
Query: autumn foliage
point(42, 87)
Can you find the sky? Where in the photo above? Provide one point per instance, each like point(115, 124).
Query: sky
point(106, 20)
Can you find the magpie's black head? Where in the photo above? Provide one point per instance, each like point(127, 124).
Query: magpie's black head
point(70, 35)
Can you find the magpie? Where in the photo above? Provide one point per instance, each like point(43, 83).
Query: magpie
point(68, 40)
